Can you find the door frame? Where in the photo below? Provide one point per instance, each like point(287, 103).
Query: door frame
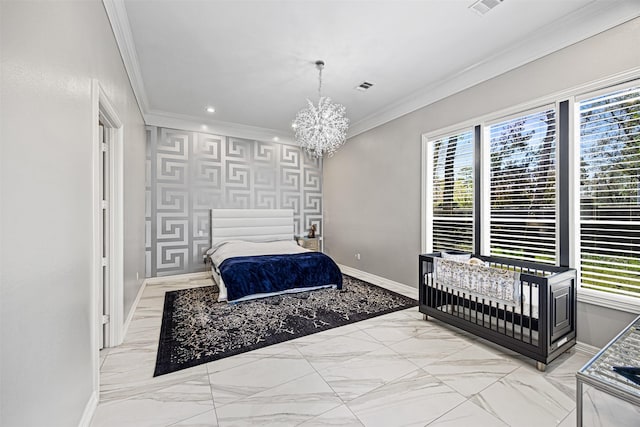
point(104, 111)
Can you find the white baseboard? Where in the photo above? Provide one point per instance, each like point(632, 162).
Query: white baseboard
point(198, 275)
point(89, 410)
point(587, 349)
point(377, 280)
point(127, 322)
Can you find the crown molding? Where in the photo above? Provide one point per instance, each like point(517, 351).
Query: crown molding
point(571, 29)
point(217, 127)
point(551, 38)
point(117, 14)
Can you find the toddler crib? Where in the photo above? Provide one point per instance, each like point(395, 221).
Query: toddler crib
point(536, 317)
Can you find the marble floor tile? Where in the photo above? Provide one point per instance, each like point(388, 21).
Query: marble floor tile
point(394, 327)
point(252, 378)
point(324, 335)
point(130, 358)
point(356, 376)
point(561, 373)
point(525, 398)
point(413, 400)
point(339, 349)
point(288, 404)
point(234, 361)
point(138, 382)
point(148, 410)
point(337, 417)
point(465, 415)
point(342, 330)
point(471, 370)
point(391, 370)
point(206, 419)
point(429, 347)
point(413, 313)
point(570, 420)
point(609, 411)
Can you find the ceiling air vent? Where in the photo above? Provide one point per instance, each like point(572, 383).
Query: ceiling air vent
point(483, 6)
point(364, 86)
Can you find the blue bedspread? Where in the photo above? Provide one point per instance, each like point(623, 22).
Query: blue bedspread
point(250, 275)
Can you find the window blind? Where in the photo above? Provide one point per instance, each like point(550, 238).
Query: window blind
point(610, 192)
point(453, 192)
point(523, 187)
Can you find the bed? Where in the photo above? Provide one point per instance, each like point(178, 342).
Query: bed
point(527, 307)
point(254, 255)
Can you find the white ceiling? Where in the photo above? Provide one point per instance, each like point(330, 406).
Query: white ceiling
point(254, 60)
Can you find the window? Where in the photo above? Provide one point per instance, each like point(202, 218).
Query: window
point(452, 182)
point(557, 184)
point(610, 191)
point(522, 186)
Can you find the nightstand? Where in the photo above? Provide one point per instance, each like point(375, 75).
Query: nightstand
point(311, 243)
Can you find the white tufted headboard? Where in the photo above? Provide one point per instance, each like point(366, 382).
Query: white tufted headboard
point(254, 225)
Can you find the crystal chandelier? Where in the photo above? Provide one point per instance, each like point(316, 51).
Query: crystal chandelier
point(321, 129)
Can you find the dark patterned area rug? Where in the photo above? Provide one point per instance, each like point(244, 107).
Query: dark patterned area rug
point(196, 329)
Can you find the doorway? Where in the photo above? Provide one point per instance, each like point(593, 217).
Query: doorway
point(108, 246)
point(104, 234)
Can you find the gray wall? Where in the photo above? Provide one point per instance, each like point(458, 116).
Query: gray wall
point(372, 184)
point(50, 53)
point(189, 173)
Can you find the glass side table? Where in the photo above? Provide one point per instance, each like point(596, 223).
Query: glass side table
point(623, 350)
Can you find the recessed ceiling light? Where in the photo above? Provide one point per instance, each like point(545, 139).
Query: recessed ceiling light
point(276, 139)
point(211, 110)
point(204, 127)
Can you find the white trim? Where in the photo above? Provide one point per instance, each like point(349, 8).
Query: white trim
point(614, 301)
point(89, 410)
point(426, 245)
point(117, 14)
point(625, 303)
point(545, 41)
point(96, 257)
point(607, 82)
point(574, 191)
point(406, 290)
point(113, 125)
point(186, 276)
point(619, 80)
point(216, 127)
point(134, 306)
point(594, 93)
point(485, 191)
point(426, 211)
point(557, 183)
point(587, 349)
point(571, 29)
point(527, 110)
point(102, 109)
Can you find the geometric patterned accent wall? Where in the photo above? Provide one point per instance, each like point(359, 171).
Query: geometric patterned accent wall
point(189, 173)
